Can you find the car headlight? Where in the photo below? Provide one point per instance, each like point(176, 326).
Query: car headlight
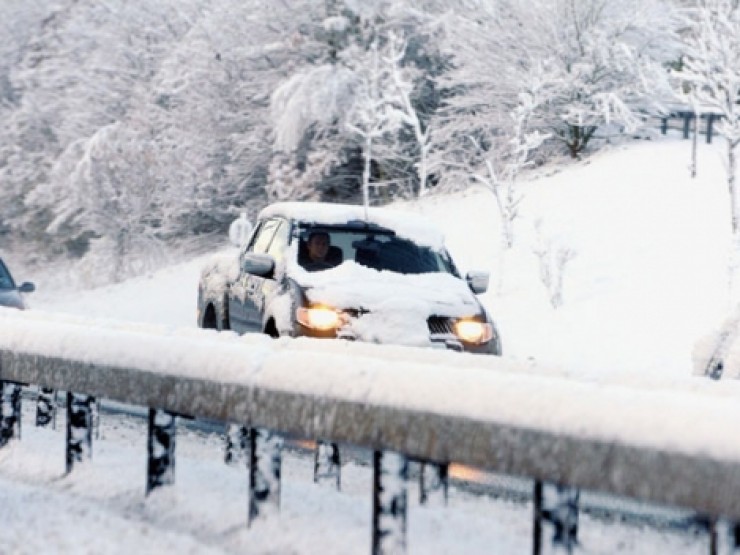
point(473, 331)
point(319, 317)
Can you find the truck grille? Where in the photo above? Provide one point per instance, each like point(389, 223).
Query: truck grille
point(440, 325)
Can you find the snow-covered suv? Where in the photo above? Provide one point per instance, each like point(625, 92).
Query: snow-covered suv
point(385, 277)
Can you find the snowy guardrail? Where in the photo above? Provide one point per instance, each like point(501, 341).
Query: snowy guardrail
point(674, 444)
point(688, 117)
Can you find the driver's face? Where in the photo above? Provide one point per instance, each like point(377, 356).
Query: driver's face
point(318, 247)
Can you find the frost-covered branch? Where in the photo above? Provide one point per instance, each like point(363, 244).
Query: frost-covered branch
point(377, 109)
point(410, 117)
point(505, 154)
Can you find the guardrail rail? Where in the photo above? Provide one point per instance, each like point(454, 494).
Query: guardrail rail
point(673, 444)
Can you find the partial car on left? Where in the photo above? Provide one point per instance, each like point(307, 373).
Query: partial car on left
point(10, 294)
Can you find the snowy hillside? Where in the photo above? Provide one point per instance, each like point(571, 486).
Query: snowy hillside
point(646, 279)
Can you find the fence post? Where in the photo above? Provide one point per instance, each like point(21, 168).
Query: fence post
point(390, 472)
point(45, 407)
point(327, 463)
point(710, 127)
point(264, 473)
point(724, 537)
point(160, 449)
point(79, 428)
point(664, 126)
point(555, 511)
point(686, 120)
point(10, 411)
point(433, 483)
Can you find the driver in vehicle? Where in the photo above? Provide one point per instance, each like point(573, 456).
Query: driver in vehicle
point(317, 251)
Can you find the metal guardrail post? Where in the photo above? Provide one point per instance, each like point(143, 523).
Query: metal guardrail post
point(264, 473)
point(236, 443)
point(390, 472)
point(160, 449)
point(555, 516)
point(327, 463)
point(433, 483)
point(45, 407)
point(686, 123)
point(10, 411)
point(79, 428)
point(710, 127)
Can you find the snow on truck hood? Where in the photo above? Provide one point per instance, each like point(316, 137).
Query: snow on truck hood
point(398, 305)
point(351, 285)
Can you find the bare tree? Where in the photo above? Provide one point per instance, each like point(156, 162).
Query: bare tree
point(494, 157)
point(376, 112)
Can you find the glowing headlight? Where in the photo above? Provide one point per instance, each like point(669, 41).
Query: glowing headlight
point(472, 331)
point(319, 317)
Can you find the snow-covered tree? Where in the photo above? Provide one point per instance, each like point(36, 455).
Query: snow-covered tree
point(235, 102)
point(402, 89)
point(113, 202)
point(315, 141)
point(83, 70)
point(494, 156)
point(604, 60)
point(377, 108)
point(309, 112)
point(504, 159)
point(711, 68)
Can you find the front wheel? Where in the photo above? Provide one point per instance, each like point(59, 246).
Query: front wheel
point(212, 320)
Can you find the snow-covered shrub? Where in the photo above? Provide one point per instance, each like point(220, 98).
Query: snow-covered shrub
point(553, 256)
point(713, 352)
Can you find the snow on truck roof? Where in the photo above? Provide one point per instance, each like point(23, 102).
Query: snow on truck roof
point(408, 225)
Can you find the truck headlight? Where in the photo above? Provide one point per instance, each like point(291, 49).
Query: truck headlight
point(319, 317)
point(472, 331)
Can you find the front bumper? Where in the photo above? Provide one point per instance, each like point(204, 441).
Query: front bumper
point(437, 339)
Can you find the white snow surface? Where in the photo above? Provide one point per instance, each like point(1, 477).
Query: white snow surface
point(649, 280)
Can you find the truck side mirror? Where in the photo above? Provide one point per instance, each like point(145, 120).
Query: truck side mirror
point(261, 265)
point(478, 281)
point(27, 287)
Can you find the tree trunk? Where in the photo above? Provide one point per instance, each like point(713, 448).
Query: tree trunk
point(366, 174)
point(423, 167)
point(694, 140)
point(731, 168)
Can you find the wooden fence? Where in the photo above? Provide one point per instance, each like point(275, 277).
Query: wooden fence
point(687, 123)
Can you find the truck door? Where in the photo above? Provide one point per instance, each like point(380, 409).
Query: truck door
point(240, 302)
point(262, 290)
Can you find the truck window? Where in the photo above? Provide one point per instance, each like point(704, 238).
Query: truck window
point(264, 235)
point(279, 242)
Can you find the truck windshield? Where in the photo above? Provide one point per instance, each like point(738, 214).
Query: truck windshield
point(377, 250)
point(6, 282)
